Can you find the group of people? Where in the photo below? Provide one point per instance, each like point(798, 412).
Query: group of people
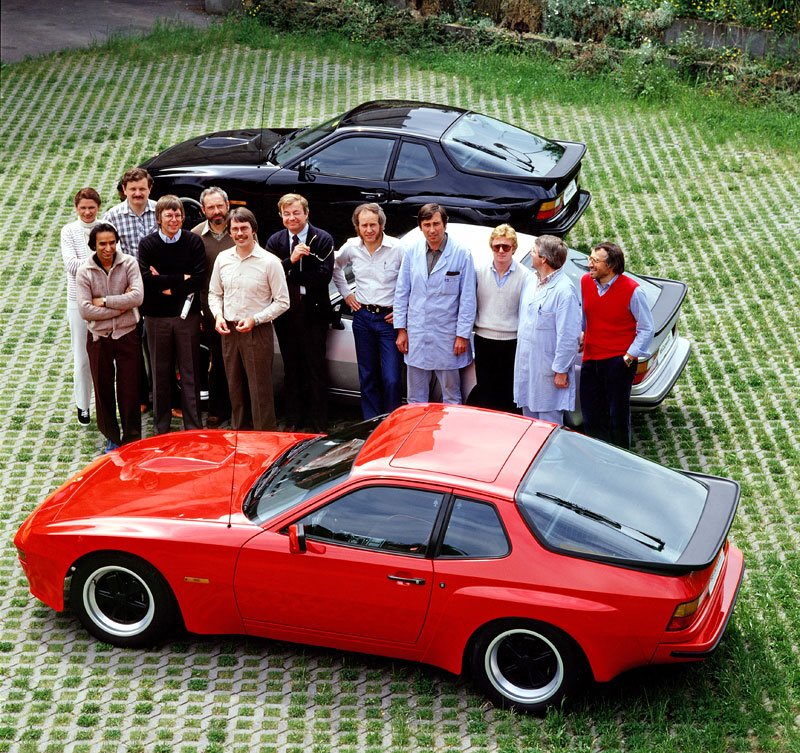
point(143, 292)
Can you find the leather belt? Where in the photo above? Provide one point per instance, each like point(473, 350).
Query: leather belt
point(373, 309)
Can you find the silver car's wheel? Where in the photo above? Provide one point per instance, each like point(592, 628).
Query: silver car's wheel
point(524, 665)
point(122, 600)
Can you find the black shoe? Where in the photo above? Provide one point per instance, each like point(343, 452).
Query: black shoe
point(83, 416)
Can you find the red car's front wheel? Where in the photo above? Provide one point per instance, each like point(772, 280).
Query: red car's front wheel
point(123, 600)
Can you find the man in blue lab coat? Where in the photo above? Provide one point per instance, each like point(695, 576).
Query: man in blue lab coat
point(434, 308)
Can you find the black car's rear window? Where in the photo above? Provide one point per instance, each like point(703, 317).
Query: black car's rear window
point(589, 498)
point(482, 144)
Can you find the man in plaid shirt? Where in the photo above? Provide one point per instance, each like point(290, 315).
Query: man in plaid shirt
point(135, 217)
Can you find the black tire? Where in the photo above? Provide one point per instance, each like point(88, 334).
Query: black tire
point(193, 212)
point(123, 600)
point(525, 665)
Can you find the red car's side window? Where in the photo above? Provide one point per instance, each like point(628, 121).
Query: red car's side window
point(474, 530)
point(393, 519)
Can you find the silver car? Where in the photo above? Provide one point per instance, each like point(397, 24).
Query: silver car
point(656, 374)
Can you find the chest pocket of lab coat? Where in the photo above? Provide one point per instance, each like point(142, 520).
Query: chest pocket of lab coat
point(546, 320)
point(451, 284)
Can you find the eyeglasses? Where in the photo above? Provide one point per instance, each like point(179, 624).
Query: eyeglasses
point(317, 256)
point(321, 258)
point(595, 260)
point(501, 247)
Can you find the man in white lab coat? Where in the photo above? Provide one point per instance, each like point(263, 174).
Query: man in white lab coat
point(434, 308)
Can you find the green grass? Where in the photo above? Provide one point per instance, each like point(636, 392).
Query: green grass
point(695, 187)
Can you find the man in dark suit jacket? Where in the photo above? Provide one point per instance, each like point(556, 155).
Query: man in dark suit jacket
point(306, 253)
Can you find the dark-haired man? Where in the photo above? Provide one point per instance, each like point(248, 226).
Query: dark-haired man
point(108, 290)
point(434, 308)
point(173, 266)
point(247, 292)
point(618, 330)
point(135, 217)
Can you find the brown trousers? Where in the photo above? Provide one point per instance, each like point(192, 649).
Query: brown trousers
point(248, 366)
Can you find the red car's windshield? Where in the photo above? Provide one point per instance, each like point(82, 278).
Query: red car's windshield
point(306, 469)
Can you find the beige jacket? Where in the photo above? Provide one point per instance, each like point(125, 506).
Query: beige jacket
point(121, 287)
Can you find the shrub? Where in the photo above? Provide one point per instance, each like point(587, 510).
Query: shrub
point(593, 59)
point(647, 76)
point(581, 20)
point(782, 16)
point(595, 20)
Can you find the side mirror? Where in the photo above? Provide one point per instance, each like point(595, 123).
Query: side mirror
point(304, 175)
point(297, 538)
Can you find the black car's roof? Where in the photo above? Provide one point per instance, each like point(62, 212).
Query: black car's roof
point(423, 118)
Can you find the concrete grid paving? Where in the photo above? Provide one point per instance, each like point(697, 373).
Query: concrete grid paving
point(78, 120)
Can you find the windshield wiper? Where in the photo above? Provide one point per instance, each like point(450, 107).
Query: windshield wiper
point(633, 533)
point(277, 145)
point(480, 148)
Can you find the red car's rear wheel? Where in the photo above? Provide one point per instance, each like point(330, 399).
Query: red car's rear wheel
point(524, 665)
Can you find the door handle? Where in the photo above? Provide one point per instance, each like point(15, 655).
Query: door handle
point(373, 196)
point(410, 581)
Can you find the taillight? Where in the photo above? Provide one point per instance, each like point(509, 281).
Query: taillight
point(549, 209)
point(684, 614)
point(643, 367)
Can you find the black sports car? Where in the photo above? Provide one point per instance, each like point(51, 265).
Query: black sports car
point(400, 154)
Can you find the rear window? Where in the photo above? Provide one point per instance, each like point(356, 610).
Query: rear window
point(481, 144)
point(591, 499)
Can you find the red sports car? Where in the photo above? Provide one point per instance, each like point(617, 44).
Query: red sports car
point(525, 553)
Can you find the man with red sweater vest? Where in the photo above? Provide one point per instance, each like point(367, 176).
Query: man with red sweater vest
point(618, 330)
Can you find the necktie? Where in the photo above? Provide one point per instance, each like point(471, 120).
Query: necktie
point(295, 241)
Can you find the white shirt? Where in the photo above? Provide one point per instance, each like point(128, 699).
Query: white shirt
point(251, 286)
point(375, 273)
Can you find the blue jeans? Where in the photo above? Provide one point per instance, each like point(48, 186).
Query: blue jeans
point(380, 363)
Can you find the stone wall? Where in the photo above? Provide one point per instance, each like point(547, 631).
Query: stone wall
point(754, 42)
